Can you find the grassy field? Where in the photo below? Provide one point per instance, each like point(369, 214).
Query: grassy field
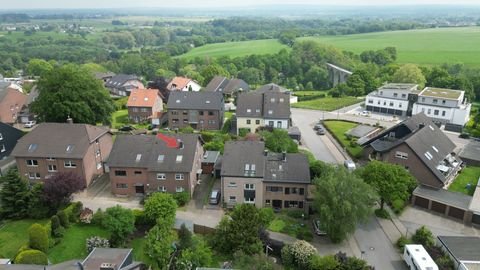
point(236, 49)
point(468, 175)
point(426, 46)
point(326, 104)
point(338, 130)
point(14, 235)
point(73, 245)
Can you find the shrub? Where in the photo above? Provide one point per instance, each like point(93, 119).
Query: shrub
point(121, 103)
point(298, 254)
point(328, 262)
point(242, 132)
point(423, 236)
point(98, 217)
point(187, 130)
point(267, 215)
point(445, 262)
point(57, 229)
point(140, 218)
point(38, 238)
point(304, 234)
point(382, 213)
point(31, 256)
point(63, 218)
point(96, 241)
point(296, 213)
point(464, 135)
point(207, 136)
point(73, 211)
point(181, 198)
point(402, 241)
point(398, 205)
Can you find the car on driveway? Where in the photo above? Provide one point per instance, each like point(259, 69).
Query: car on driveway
point(320, 131)
point(317, 228)
point(365, 113)
point(29, 124)
point(126, 128)
point(318, 126)
point(214, 197)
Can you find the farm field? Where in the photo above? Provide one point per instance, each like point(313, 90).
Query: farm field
point(236, 49)
point(427, 46)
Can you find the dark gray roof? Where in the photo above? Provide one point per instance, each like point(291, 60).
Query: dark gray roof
point(276, 105)
point(361, 130)
point(104, 75)
point(229, 86)
point(118, 80)
point(53, 139)
point(210, 157)
point(471, 151)
point(186, 100)
point(463, 248)
point(143, 151)
point(455, 199)
point(117, 256)
point(218, 83)
point(10, 136)
point(249, 105)
point(235, 85)
point(294, 169)
point(271, 88)
point(237, 154)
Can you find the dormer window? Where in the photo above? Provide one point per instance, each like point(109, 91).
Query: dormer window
point(272, 100)
point(146, 99)
point(177, 101)
point(257, 110)
point(138, 158)
point(179, 158)
point(1, 136)
point(160, 158)
point(249, 110)
point(282, 100)
point(32, 147)
point(270, 112)
point(70, 148)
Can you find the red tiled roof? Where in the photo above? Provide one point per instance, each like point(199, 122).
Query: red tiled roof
point(143, 98)
point(180, 82)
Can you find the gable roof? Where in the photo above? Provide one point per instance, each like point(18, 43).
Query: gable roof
point(98, 256)
point(9, 137)
point(237, 154)
point(271, 87)
point(54, 139)
point(250, 105)
point(133, 151)
point(217, 83)
point(276, 105)
point(224, 85)
point(195, 100)
point(119, 80)
point(11, 102)
point(178, 83)
point(293, 169)
point(143, 97)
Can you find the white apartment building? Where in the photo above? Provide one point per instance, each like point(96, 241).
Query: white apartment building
point(392, 98)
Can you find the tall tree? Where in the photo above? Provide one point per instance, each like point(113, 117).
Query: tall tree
point(392, 182)
point(14, 196)
point(38, 67)
point(279, 141)
point(120, 222)
point(213, 70)
point(58, 189)
point(72, 91)
point(409, 73)
point(160, 206)
point(343, 200)
point(159, 244)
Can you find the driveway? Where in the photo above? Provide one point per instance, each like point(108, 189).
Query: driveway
point(201, 192)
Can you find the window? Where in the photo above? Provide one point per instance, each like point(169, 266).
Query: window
point(232, 184)
point(378, 102)
point(436, 112)
point(293, 190)
point(143, 109)
point(122, 185)
point(210, 113)
point(1, 136)
point(34, 175)
point(162, 189)
point(399, 105)
point(248, 121)
point(52, 168)
point(428, 155)
point(381, 93)
point(120, 173)
point(423, 99)
point(3, 148)
point(270, 111)
point(281, 100)
point(179, 176)
point(160, 158)
point(429, 111)
point(32, 162)
point(97, 153)
point(179, 158)
point(443, 101)
point(435, 101)
point(161, 176)
point(270, 123)
point(267, 202)
point(138, 158)
point(257, 110)
point(434, 148)
point(69, 164)
point(200, 112)
point(179, 189)
point(232, 199)
point(274, 189)
point(247, 169)
point(249, 200)
point(174, 113)
point(137, 172)
point(404, 95)
point(249, 186)
point(370, 101)
point(385, 103)
point(211, 122)
point(279, 124)
point(391, 104)
point(134, 109)
point(249, 110)
point(287, 190)
point(51, 159)
point(301, 191)
point(257, 122)
point(185, 112)
point(443, 113)
point(401, 155)
point(395, 95)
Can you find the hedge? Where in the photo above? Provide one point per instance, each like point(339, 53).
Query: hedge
point(38, 238)
point(32, 256)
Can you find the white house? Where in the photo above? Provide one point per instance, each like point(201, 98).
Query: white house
point(392, 98)
point(183, 84)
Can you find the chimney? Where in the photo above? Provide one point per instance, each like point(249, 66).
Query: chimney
point(284, 156)
point(69, 120)
point(180, 144)
point(108, 266)
point(265, 152)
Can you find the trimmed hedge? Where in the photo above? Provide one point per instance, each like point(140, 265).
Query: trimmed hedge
point(38, 238)
point(32, 256)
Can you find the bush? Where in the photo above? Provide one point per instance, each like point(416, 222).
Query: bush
point(402, 241)
point(73, 211)
point(56, 228)
point(328, 262)
point(62, 216)
point(187, 130)
point(398, 205)
point(121, 103)
point(304, 234)
point(423, 236)
point(445, 262)
point(242, 132)
point(96, 241)
point(464, 135)
point(207, 136)
point(298, 254)
point(310, 97)
point(140, 218)
point(296, 213)
point(382, 213)
point(181, 198)
point(31, 256)
point(267, 215)
point(98, 217)
point(38, 238)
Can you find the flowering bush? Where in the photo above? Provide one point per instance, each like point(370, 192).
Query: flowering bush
point(298, 254)
point(96, 241)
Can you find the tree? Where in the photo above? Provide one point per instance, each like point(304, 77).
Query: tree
point(38, 67)
point(196, 256)
point(56, 227)
point(14, 196)
point(160, 205)
point(58, 189)
point(31, 256)
point(253, 262)
point(287, 37)
point(343, 200)
point(70, 90)
point(423, 236)
point(184, 238)
point(391, 181)
point(120, 222)
point(328, 262)
point(409, 73)
point(213, 70)
point(318, 169)
point(38, 237)
point(279, 141)
point(158, 245)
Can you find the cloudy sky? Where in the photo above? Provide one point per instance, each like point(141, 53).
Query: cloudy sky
point(28, 4)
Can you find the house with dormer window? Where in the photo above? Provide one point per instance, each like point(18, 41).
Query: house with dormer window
point(63, 147)
point(144, 105)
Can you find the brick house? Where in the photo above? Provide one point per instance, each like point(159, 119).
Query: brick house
point(11, 103)
point(251, 174)
point(122, 84)
point(421, 147)
point(144, 104)
point(62, 147)
point(200, 110)
point(139, 165)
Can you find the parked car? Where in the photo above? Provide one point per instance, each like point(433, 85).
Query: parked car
point(349, 164)
point(29, 124)
point(320, 131)
point(126, 128)
point(214, 196)
point(365, 113)
point(317, 228)
point(318, 126)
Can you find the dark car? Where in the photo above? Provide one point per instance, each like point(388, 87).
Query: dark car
point(320, 131)
point(214, 197)
point(126, 128)
point(318, 126)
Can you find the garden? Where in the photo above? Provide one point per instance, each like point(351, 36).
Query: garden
point(339, 129)
point(466, 180)
point(294, 223)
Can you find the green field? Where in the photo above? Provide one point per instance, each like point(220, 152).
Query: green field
point(327, 103)
point(338, 130)
point(426, 46)
point(14, 235)
point(236, 49)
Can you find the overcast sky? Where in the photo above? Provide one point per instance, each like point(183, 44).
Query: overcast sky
point(29, 4)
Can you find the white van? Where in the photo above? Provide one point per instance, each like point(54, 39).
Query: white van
point(349, 164)
point(417, 258)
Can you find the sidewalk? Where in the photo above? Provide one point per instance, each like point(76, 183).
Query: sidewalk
point(392, 227)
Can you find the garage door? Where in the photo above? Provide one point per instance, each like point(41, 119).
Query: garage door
point(456, 213)
point(438, 207)
point(476, 219)
point(421, 202)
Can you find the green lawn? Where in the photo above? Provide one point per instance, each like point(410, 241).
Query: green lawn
point(119, 118)
point(426, 46)
point(13, 235)
point(288, 225)
point(468, 175)
point(73, 246)
point(338, 130)
point(327, 103)
point(236, 49)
